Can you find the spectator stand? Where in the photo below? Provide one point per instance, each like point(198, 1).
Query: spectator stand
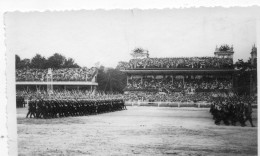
point(52, 79)
point(185, 75)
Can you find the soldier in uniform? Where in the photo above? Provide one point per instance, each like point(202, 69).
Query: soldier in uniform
point(218, 114)
point(232, 110)
point(31, 109)
point(38, 108)
point(225, 113)
point(248, 113)
point(45, 106)
point(240, 113)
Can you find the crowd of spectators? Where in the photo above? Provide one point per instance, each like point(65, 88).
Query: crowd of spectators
point(131, 96)
point(66, 94)
point(173, 97)
point(63, 74)
point(73, 74)
point(177, 85)
point(180, 62)
point(31, 74)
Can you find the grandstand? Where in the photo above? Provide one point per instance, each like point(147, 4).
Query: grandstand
point(180, 76)
point(49, 79)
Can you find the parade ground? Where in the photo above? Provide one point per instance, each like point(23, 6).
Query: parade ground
point(136, 131)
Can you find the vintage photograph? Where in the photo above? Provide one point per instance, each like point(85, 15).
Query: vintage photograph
point(134, 82)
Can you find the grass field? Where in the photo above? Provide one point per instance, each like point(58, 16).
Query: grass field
point(136, 131)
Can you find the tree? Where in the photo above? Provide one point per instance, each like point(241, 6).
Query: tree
point(111, 80)
point(117, 80)
point(243, 66)
point(140, 53)
point(138, 50)
point(17, 61)
point(242, 77)
point(69, 63)
point(101, 78)
point(38, 61)
point(25, 63)
point(55, 61)
point(224, 47)
point(19, 64)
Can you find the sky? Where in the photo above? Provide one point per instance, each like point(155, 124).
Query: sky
point(110, 36)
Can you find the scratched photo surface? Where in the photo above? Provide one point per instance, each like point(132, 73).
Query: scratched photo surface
point(134, 82)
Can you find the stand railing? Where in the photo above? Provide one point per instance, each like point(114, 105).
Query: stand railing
point(172, 104)
point(168, 104)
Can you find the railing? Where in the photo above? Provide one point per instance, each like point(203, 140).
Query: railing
point(168, 104)
point(172, 104)
point(179, 68)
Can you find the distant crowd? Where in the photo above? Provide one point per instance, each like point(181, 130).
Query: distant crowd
point(172, 97)
point(63, 74)
point(129, 96)
point(132, 96)
point(66, 94)
point(175, 85)
point(180, 62)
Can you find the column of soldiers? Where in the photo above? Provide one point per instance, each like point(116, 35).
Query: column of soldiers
point(53, 108)
point(20, 102)
point(232, 109)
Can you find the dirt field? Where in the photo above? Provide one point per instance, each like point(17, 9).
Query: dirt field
point(136, 131)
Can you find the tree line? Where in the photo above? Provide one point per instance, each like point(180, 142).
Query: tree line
point(246, 72)
point(40, 62)
point(111, 80)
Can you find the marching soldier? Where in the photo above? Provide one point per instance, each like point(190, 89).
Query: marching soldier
point(51, 106)
point(233, 109)
point(248, 113)
point(31, 109)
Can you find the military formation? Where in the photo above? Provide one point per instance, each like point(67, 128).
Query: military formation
point(58, 104)
point(55, 108)
point(232, 110)
point(20, 101)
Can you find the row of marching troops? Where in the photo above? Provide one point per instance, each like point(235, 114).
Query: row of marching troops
point(53, 108)
point(232, 110)
point(20, 101)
